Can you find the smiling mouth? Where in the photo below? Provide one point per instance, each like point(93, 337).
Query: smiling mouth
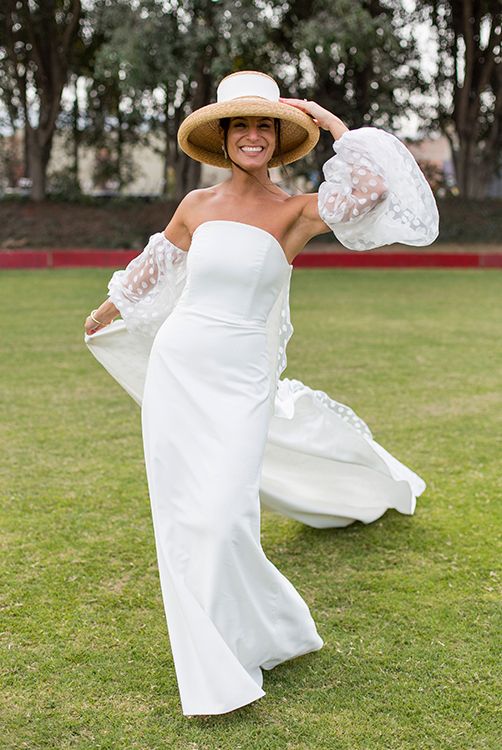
point(252, 149)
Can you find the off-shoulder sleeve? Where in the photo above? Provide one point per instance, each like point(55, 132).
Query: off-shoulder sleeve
point(375, 193)
point(147, 289)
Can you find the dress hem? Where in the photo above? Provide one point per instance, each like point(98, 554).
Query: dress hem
point(225, 710)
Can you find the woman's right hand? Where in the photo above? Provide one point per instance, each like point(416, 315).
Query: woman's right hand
point(107, 312)
point(90, 326)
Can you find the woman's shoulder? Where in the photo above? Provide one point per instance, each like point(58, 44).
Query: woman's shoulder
point(195, 197)
point(214, 197)
point(194, 202)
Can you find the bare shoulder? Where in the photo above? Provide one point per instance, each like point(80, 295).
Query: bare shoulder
point(194, 200)
point(195, 197)
point(179, 228)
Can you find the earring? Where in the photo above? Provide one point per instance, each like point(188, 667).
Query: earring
point(224, 151)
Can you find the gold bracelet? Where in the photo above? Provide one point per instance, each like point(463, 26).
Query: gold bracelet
point(95, 319)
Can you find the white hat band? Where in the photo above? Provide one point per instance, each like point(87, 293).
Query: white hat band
point(247, 84)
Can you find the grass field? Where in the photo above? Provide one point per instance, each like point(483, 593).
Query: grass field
point(408, 607)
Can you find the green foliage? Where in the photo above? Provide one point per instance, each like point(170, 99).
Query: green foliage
point(63, 185)
point(352, 57)
point(166, 61)
point(408, 607)
point(146, 64)
point(356, 59)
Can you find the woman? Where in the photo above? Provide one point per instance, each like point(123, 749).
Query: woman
point(202, 344)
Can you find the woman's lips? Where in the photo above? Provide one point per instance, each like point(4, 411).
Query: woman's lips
point(252, 149)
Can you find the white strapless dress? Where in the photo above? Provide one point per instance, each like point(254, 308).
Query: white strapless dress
point(201, 346)
point(205, 418)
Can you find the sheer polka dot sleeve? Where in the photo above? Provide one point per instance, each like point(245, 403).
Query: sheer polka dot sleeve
point(146, 291)
point(375, 194)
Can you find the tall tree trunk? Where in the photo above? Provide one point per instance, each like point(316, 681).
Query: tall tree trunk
point(75, 135)
point(39, 159)
point(169, 155)
point(26, 155)
point(166, 164)
point(193, 175)
point(26, 145)
point(187, 175)
point(39, 37)
point(120, 149)
point(477, 122)
point(475, 165)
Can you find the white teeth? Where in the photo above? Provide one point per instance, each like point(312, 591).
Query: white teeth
point(252, 148)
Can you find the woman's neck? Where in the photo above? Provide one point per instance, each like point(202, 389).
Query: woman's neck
point(250, 184)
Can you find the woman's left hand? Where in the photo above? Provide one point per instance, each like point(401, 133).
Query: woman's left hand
point(322, 117)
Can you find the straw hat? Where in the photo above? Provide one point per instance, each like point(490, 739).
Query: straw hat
point(247, 93)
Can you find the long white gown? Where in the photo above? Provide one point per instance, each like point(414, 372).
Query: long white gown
point(201, 346)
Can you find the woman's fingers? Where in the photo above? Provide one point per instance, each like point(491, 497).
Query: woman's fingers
point(90, 326)
point(302, 104)
point(319, 115)
point(308, 107)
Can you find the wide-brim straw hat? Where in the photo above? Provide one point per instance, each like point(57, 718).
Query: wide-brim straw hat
point(247, 93)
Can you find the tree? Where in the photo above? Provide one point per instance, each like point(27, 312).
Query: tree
point(172, 55)
point(353, 58)
point(149, 63)
point(72, 122)
point(468, 85)
point(37, 38)
point(113, 121)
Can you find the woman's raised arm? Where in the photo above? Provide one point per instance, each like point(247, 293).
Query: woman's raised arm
point(374, 192)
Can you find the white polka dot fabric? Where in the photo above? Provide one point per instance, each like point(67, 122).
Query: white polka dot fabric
point(375, 193)
point(285, 332)
point(146, 291)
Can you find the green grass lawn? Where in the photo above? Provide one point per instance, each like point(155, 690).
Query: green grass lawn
point(407, 606)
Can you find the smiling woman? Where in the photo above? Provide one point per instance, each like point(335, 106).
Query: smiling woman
point(257, 137)
point(202, 346)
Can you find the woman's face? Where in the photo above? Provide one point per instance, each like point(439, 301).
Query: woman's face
point(251, 141)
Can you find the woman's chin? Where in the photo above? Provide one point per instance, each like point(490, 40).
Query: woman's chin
point(251, 163)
